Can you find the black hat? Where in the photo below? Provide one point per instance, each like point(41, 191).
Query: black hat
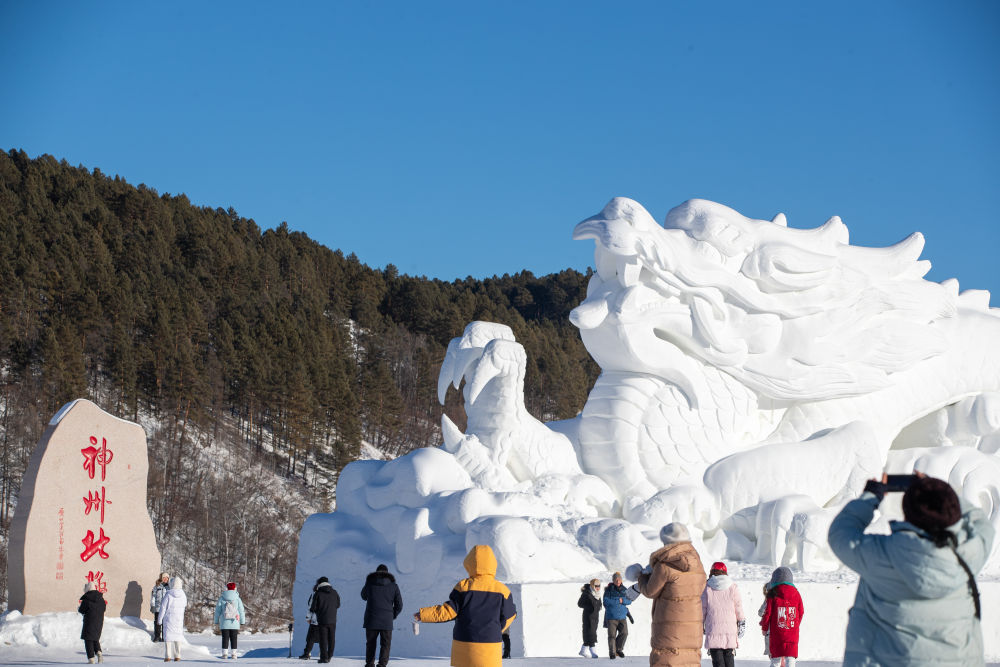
point(382, 568)
point(322, 580)
point(931, 504)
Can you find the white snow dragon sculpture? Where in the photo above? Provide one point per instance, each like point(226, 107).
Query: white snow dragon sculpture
point(753, 376)
point(746, 363)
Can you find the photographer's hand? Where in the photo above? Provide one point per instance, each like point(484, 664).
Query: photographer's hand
point(876, 487)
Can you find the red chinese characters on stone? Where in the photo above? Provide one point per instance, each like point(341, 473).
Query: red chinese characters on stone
point(94, 500)
point(97, 578)
point(94, 546)
point(94, 456)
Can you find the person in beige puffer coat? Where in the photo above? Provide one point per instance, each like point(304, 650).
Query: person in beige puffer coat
point(675, 579)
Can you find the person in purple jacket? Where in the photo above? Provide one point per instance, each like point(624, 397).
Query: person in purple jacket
point(722, 609)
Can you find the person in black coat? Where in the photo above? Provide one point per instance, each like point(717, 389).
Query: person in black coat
point(384, 603)
point(591, 605)
point(325, 603)
point(92, 606)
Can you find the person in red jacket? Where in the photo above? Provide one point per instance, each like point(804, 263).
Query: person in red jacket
point(782, 618)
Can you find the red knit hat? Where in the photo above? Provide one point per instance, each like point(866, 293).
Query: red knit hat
point(231, 586)
point(720, 566)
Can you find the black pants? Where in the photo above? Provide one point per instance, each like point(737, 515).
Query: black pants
point(722, 657)
point(384, 637)
point(92, 646)
point(312, 637)
point(157, 627)
point(326, 641)
point(617, 634)
point(229, 638)
point(506, 645)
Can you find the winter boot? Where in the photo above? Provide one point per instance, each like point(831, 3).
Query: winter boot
point(232, 654)
point(593, 653)
point(91, 660)
point(583, 651)
point(100, 657)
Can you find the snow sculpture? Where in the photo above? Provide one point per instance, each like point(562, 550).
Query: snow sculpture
point(753, 376)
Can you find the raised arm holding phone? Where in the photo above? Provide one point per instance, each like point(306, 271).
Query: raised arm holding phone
point(917, 601)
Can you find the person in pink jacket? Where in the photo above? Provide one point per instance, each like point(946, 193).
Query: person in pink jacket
point(722, 610)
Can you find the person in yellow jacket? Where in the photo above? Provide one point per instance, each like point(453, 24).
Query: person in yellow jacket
point(482, 609)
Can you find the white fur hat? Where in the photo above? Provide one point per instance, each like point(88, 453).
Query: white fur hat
point(674, 532)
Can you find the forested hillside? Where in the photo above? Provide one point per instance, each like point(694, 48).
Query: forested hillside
point(258, 361)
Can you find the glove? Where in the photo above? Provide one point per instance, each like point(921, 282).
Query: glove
point(741, 628)
point(632, 571)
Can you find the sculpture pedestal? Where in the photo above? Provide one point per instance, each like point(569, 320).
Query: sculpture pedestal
point(549, 622)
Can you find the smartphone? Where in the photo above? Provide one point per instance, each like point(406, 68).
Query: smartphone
point(895, 483)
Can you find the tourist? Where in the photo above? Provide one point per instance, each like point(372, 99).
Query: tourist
point(229, 615)
point(325, 602)
point(782, 617)
point(383, 603)
point(722, 609)
point(312, 634)
point(155, 596)
point(591, 604)
point(674, 579)
point(917, 600)
point(482, 609)
point(616, 601)
point(172, 618)
point(92, 606)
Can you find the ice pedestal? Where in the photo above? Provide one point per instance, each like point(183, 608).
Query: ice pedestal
point(548, 622)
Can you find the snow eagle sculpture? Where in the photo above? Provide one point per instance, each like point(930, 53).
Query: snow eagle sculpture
point(753, 376)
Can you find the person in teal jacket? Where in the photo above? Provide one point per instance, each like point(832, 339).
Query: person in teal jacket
point(916, 604)
point(230, 614)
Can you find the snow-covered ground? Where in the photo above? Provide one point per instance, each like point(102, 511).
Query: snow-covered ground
point(54, 638)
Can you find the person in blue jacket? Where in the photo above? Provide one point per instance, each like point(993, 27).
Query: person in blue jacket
point(616, 601)
point(230, 614)
point(917, 601)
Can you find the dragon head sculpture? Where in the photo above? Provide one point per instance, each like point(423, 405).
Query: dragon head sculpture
point(793, 314)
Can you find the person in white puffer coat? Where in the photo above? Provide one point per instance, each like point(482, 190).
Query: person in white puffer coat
point(172, 617)
point(722, 609)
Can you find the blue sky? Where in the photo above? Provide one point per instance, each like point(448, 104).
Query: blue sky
point(468, 138)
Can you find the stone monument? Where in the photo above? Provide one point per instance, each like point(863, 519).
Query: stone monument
point(81, 516)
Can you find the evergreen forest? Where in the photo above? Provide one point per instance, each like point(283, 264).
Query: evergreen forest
point(258, 361)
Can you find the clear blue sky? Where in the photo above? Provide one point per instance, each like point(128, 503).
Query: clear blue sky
point(468, 138)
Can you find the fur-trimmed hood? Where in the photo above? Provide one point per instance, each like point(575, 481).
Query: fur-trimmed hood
point(373, 577)
point(719, 582)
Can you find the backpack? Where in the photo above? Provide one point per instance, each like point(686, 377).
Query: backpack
point(230, 612)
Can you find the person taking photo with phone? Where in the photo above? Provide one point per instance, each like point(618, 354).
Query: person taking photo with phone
point(917, 601)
